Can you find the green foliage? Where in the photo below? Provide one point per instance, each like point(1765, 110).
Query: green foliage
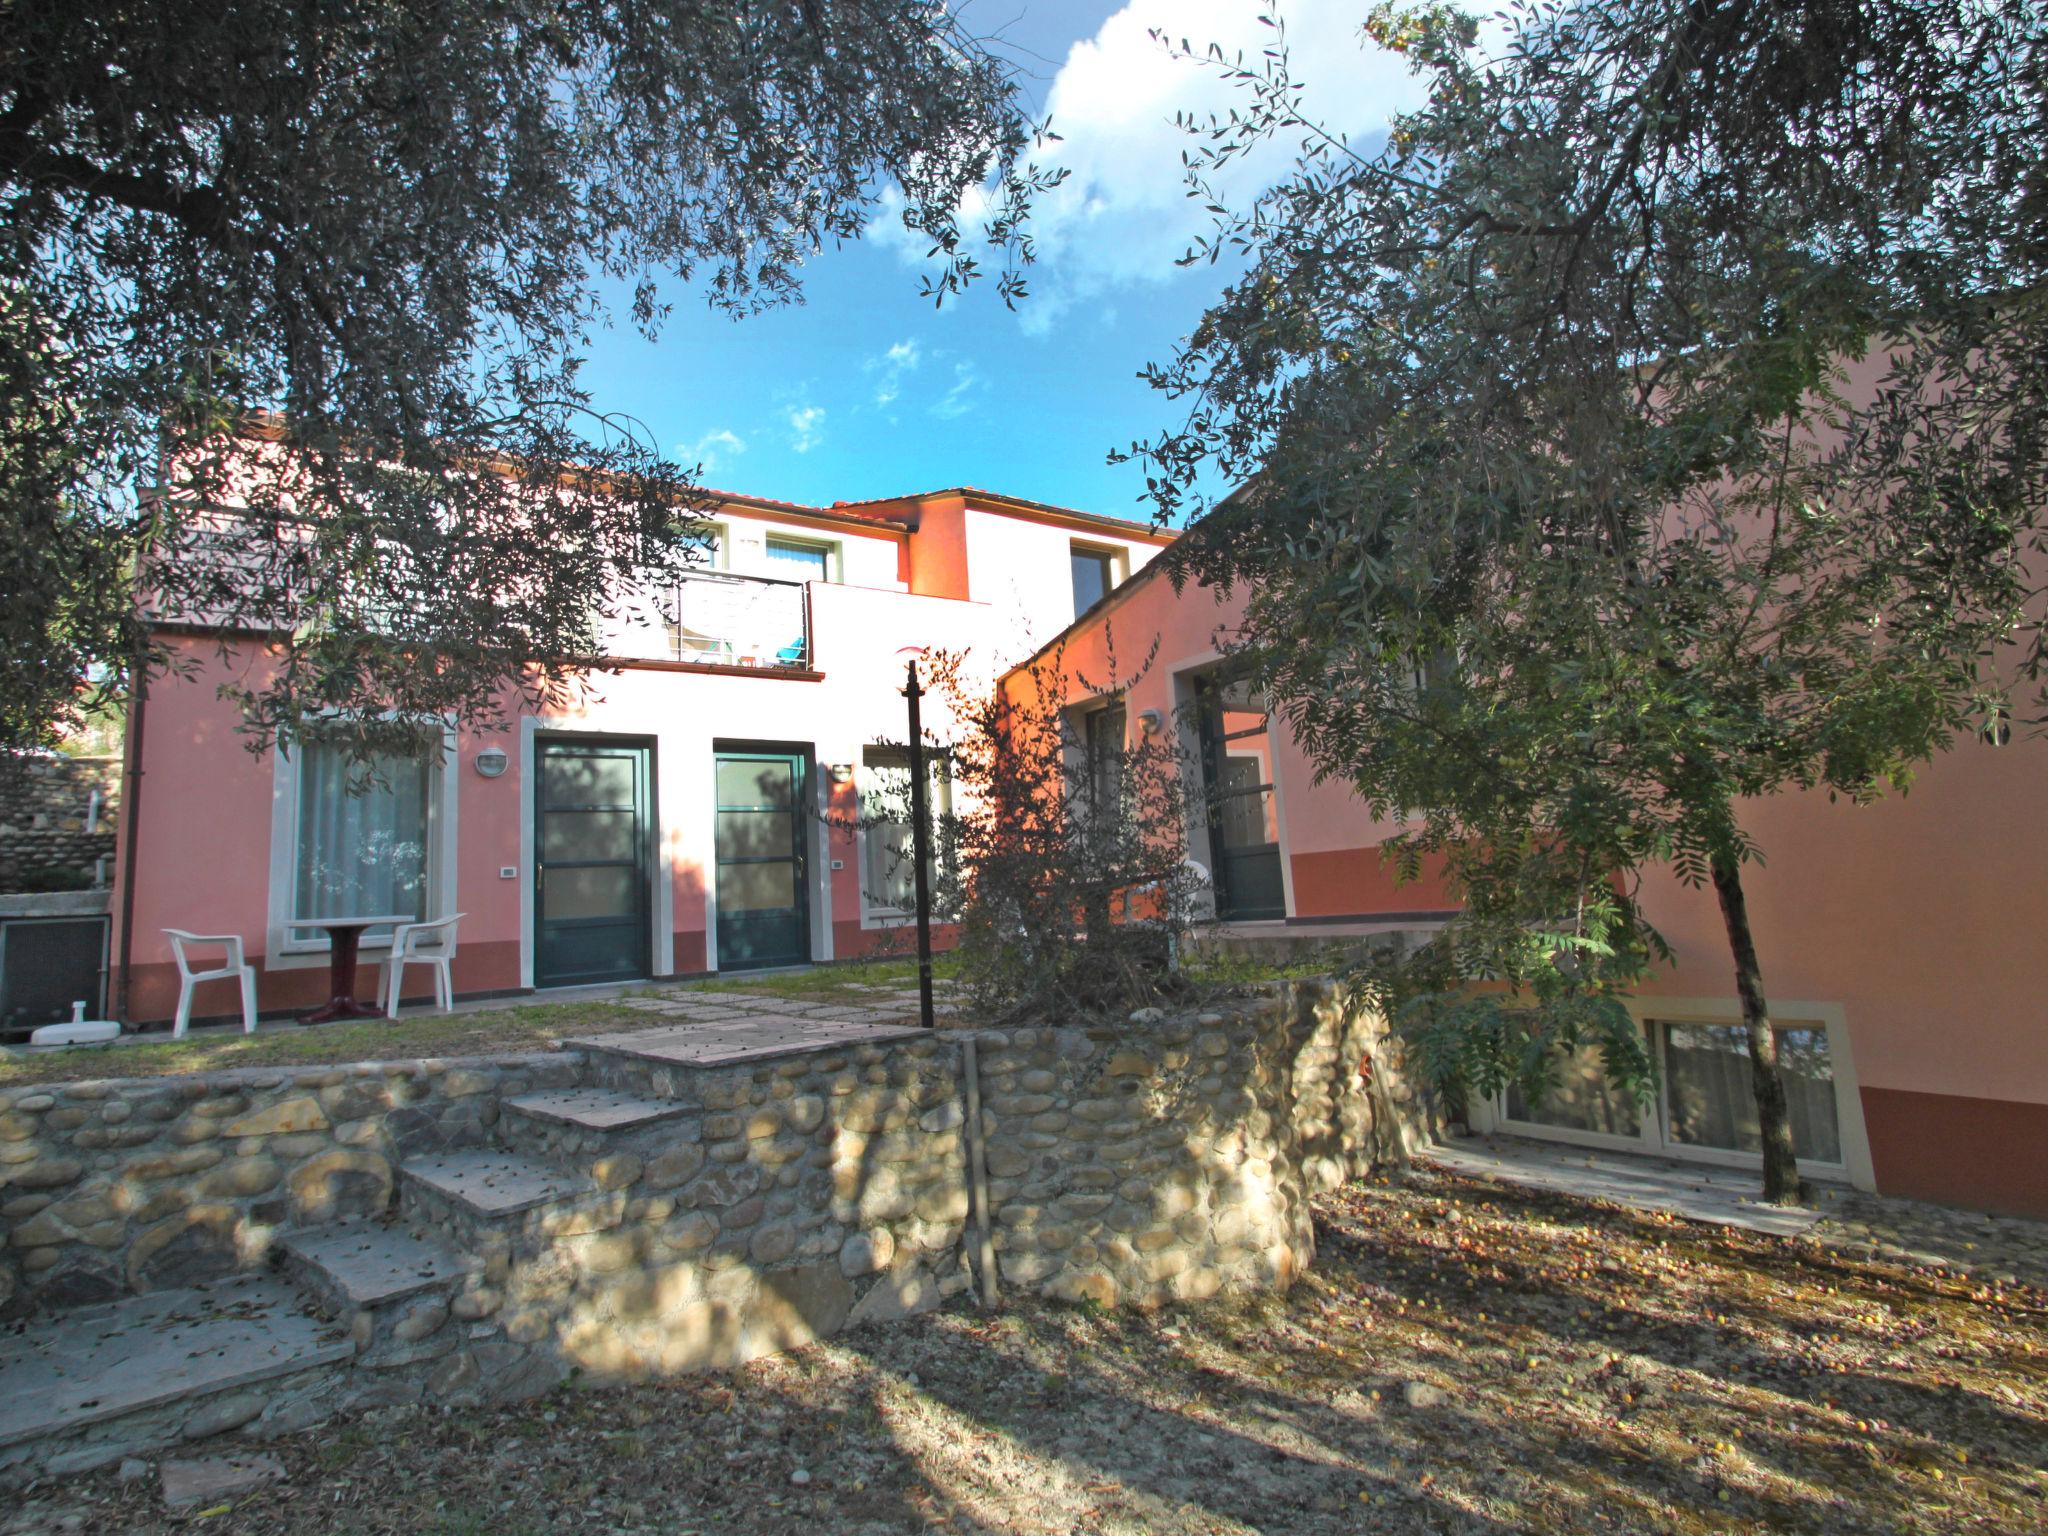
point(1066, 874)
point(1656, 421)
point(383, 227)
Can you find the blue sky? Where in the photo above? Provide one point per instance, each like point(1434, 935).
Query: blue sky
point(868, 390)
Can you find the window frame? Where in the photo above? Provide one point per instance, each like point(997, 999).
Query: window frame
point(1655, 1015)
point(1112, 561)
point(289, 948)
point(827, 548)
point(874, 914)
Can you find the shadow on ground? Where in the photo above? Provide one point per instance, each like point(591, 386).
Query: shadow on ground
point(1466, 1358)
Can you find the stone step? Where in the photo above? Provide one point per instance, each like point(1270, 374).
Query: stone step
point(606, 1132)
point(475, 1201)
point(88, 1387)
point(589, 1118)
point(362, 1265)
point(671, 1063)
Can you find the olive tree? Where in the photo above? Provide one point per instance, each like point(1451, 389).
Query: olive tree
point(1653, 422)
point(378, 233)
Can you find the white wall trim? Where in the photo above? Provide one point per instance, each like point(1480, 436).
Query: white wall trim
point(288, 949)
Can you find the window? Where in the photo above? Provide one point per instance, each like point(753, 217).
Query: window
point(1583, 1100)
point(363, 853)
point(1707, 1104)
point(1094, 577)
point(1103, 745)
point(798, 560)
point(888, 881)
point(1712, 1103)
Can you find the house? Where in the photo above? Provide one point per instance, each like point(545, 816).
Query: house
point(1901, 941)
point(652, 830)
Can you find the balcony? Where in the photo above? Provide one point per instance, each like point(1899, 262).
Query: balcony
point(722, 620)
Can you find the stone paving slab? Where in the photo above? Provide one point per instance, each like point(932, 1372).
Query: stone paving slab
point(100, 1363)
point(1643, 1183)
point(749, 1039)
point(495, 1183)
point(367, 1264)
point(211, 1479)
point(596, 1109)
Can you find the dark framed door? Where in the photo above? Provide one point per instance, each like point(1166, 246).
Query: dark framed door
point(762, 875)
point(1244, 828)
point(593, 861)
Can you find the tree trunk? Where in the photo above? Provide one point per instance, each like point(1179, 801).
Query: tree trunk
point(1773, 1121)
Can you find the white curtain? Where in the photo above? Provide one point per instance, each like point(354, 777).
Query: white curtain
point(1582, 1100)
point(888, 874)
point(1713, 1102)
point(361, 854)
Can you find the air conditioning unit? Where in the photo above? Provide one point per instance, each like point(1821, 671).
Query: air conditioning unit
point(48, 964)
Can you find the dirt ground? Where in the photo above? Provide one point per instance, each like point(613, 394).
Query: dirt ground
point(1465, 1358)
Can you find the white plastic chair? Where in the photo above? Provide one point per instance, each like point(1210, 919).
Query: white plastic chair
point(233, 969)
point(431, 944)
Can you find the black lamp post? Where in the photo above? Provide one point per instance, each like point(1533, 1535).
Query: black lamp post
point(920, 848)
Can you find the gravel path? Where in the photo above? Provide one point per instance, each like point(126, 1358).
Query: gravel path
point(1466, 1358)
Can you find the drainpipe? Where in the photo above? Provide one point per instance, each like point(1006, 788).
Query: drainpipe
point(131, 813)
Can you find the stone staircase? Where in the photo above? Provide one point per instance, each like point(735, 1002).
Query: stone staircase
point(568, 1237)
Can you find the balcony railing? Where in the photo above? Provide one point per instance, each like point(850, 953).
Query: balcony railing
point(737, 621)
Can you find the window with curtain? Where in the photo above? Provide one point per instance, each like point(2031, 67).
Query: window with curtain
point(797, 560)
point(1582, 1100)
point(888, 880)
point(1713, 1104)
point(363, 853)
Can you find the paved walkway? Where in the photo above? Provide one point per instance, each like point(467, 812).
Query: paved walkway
point(2008, 1249)
point(1723, 1195)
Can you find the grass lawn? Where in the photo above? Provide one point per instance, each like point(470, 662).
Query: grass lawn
point(1465, 1358)
point(516, 1026)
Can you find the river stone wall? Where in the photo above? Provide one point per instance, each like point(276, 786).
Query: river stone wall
point(1175, 1159)
point(48, 840)
point(1171, 1157)
point(143, 1184)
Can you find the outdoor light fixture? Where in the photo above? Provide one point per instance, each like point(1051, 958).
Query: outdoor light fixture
point(1149, 721)
point(492, 761)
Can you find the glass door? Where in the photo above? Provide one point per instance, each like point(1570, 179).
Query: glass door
point(1244, 830)
point(763, 913)
point(591, 870)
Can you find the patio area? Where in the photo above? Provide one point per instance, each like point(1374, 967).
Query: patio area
point(863, 993)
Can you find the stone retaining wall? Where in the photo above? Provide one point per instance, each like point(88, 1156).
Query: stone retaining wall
point(1175, 1158)
point(795, 1198)
point(44, 820)
point(1171, 1157)
point(141, 1184)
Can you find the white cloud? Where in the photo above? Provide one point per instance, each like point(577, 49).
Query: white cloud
point(806, 427)
point(1123, 215)
point(712, 449)
point(958, 400)
point(890, 367)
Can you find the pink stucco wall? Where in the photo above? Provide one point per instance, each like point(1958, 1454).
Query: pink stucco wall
point(206, 831)
point(1916, 920)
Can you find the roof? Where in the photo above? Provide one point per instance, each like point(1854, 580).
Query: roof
point(904, 509)
point(885, 514)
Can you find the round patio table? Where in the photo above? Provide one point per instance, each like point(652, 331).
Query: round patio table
point(344, 939)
